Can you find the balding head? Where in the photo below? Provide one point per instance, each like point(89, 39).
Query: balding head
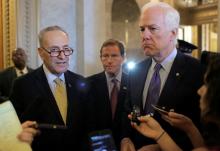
point(19, 58)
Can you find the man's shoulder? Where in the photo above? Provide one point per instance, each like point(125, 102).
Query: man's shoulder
point(96, 76)
point(7, 70)
point(192, 62)
point(29, 69)
point(73, 75)
point(140, 66)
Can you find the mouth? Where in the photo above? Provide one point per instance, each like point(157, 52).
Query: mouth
point(109, 67)
point(147, 46)
point(60, 63)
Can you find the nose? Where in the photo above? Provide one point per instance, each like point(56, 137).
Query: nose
point(145, 34)
point(62, 55)
point(199, 92)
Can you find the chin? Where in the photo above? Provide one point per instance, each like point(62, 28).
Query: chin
point(110, 72)
point(60, 71)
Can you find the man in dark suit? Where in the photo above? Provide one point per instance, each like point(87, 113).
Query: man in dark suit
point(108, 116)
point(52, 94)
point(174, 83)
point(8, 75)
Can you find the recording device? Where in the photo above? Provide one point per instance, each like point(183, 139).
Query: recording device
point(161, 110)
point(102, 140)
point(50, 126)
point(136, 112)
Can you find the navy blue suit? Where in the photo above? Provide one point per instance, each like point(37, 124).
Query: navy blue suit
point(102, 106)
point(34, 100)
point(179, 93)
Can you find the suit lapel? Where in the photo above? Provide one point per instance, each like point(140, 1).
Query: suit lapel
point(138, 85)
point(46, 91)
point(173, 79)
point(72, 92)
point(122, 93)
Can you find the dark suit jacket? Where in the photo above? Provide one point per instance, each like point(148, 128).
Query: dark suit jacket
point(102, 106)
point(179, 93)
point(34, 100)
point(7, 77)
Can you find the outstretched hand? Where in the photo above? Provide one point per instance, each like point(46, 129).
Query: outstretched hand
point(149, 127)
point(179, 121)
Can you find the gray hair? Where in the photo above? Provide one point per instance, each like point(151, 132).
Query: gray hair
point(171, 15)
point(49, 28)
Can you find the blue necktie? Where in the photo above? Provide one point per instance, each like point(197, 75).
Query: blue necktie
point(153, 90)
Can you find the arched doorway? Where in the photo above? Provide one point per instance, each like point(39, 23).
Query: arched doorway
point(125, 26)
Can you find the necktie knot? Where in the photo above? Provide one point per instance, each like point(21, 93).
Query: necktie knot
point(21, 72)
point(157, 67)
point(58, 81)
point(114, 81)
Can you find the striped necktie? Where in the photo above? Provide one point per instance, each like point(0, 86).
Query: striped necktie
point(153, 90)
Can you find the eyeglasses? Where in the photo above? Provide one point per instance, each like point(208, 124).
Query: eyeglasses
point(55, 51)
point(113, 57)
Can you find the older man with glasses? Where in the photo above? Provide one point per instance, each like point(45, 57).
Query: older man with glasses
point(53, 96)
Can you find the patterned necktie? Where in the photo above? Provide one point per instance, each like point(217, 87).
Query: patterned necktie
point(114, 97)
point(61, 97)
point(153, 90)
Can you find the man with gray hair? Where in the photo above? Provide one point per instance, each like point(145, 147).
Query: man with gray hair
point(167, 78)
point(53, 96)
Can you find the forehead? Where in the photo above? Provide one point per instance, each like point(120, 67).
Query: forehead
point(111, 49)
point(18, 51)
point(55, 37)
point(152, 16)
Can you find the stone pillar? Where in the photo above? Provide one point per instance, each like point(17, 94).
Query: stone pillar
point(27, 29)
point(91, 33)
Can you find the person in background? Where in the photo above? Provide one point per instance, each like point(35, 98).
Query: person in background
point(167, 78)
point(205, 57)
point(8, 75)
point(53, 95)
point(186, 47)
point(210, 113)
point(104, 85)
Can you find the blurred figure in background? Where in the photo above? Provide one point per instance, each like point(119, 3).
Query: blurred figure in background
point(8, 75)
point(186, 47)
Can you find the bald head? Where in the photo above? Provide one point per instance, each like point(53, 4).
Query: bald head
point(19, 58)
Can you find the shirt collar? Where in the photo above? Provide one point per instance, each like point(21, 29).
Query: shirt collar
point(117, 77)
point(168, 61)
point(51, 77)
